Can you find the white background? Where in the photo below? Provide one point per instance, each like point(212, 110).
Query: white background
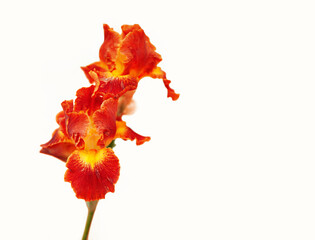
point(233, 158)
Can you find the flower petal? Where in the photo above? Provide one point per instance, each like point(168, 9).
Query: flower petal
point(99, 67)
point(60, 146)
point(84, 99)
point(137, 55)
point(92, 173)
point(127, 133)
point(77, 125)
point(114, 87)
point(105, 121)
point(108, 50)
point(159, 73)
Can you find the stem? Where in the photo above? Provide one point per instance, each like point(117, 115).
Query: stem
point(91, 210)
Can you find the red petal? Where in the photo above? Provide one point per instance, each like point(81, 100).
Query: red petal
point(129, 28)
point(84, 100)
point(137, 54)
point(67, 106)
point(77, 126)
point(108, 50)
point(127, 133)
point(92, 173)
point(98, 67)
point(60, 146)
point(114, 87)
point(105, 121)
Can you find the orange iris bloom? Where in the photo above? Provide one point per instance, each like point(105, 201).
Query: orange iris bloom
point(88, 125)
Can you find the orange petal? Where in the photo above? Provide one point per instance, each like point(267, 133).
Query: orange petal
point(99, 67)
point(84, 100)
point(129, 28)
point(127, 133)
point(77, 126)
point(114, 87)
point(159, 73)
point(92, 173)
point(60, 146)
point(67, 106)
point(108, 50)
point(105, 121)
point(137, 55)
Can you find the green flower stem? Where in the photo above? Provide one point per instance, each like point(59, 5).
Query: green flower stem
point(91, 210)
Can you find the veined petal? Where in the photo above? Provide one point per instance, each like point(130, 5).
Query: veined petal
point(114, 87)
point(127, 133)
point(60, 145)
point(108, 50)
point(92, 173)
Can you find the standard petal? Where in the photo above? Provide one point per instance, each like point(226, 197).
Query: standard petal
point(92, 173)
point(84, 99)
point(104, 121)
point(77, 125)
point(127, 133)
point(60, 145)
point(108, 50)
point(137, 55)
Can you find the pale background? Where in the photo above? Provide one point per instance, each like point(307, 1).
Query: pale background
point(233, 158)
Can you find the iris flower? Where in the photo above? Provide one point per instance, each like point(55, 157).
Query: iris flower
point(89, 125)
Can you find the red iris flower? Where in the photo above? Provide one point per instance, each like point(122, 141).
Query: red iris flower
point(88, 125)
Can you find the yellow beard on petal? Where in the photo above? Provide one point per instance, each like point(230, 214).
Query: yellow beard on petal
point(91, 157)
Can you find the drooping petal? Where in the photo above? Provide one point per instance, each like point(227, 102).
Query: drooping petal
point(159, 73)
point(109, 48)
point(60, 145)
point(104, 121)
point(127, 133)
point(92, 173)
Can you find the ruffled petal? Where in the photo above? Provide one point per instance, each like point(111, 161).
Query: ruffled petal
point(105, 121)
point(159, 73)
point(127, 133)
point(114, 87)
point(137, 55)
point(84, 99)
point(59, 146)
point(100, 68)
point(108, 50)
point(77, 125)
point(92, 173)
